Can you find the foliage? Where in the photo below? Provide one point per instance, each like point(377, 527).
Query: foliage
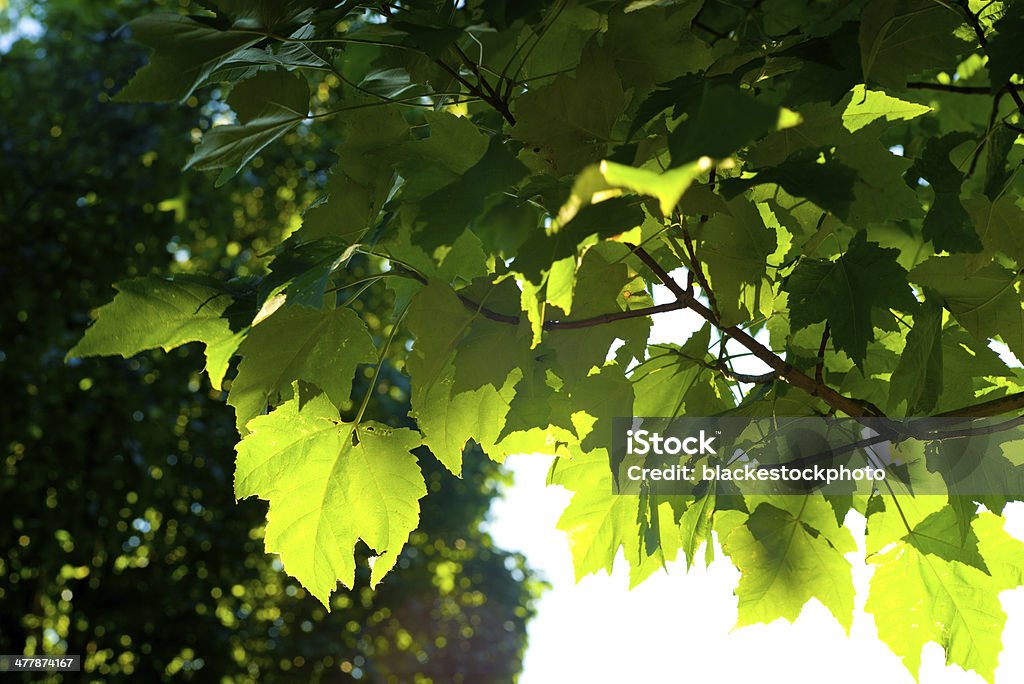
point(122, 541)
point(837, 181)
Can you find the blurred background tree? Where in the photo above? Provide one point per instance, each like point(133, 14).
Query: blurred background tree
point(121, 539)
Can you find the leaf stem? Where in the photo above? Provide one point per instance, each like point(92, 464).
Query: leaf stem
point(376, 371)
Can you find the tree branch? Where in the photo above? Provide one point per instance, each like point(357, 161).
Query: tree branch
point(696, 268)
point(612, 317)
point(852, 407)
point(496, 102)
point(949, 88)
point(819, 370)
point(993, 407)
point(780, 369)
point(979, 31)
point(988, 132)
point(729, 374)
point(888, 436)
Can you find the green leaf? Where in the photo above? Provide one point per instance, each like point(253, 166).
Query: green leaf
point(967, 363)
point(438, 321)
point(362, 179)
point(947, 224)
point(597, 400)
point(735, 245)
point(987, 303)
point(185, 52)
point(461, 389)
point(539, 402)
point(155, 312)
point(289, 56)
point(558, 43)
point(601, 180)
point(446, 213)
point(675, 380)
point(997, 223)
point(462, 385)
point(1004, 554)
point(327, 493)
point(302, 270)
point(904, 37)
point(828, 184)
point(568, 123)
point(998, 168)
point(845, 292)
point(788, 557)
point(453, 147)
point(655, 45)
point(916, 382)
point(721, 120)
point(880, 193)
point(449, 419)
point(1004, 56)
point(434, 37)
point(597, 522)
point(695, 525)
point(867, 106)
point(604, 285)
point(944, 535)
point(917, 598)
point(322, 348)
point(545, 247)
point(490, 350)
point(893, 517)
point(231, 147)
point(268, 91)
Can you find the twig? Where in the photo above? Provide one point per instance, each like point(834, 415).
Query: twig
point(949, 88)
point(852, 407)
point(819, 370)
point(780, 369)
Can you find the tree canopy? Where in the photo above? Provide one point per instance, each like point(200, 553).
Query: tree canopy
point(832, 188)
point(122, 541)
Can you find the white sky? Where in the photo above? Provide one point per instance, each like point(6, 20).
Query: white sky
point(679, 627)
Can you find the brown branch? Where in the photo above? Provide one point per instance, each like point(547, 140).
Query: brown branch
point(721, 367)
point(993, 407)
point(713, 31)
point(819, 370)
point(781, 370)
point(696, 268)
point(458, 77)
point(512, 319)
point(949, 88)
point(988, 132)
point(488, 313)
point(496, 102)
point(983, 430)
point(852, 407)
point(612, 317)
point(729, 374)
point(475, 68)
point(896, 435)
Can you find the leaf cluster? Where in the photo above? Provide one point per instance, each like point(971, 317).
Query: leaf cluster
point(832, 188)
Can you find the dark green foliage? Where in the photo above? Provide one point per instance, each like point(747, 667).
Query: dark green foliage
point(122, 540)
point(836, 183)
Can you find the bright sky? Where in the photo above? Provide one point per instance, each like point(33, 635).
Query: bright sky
point(679, 627)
